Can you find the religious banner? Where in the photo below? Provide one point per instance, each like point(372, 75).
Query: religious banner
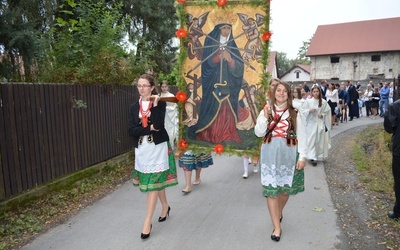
point(224, 49)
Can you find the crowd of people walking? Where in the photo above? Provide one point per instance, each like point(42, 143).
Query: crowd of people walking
point(294, 123)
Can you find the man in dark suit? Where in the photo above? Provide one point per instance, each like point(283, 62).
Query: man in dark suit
point(391, 125)
point(324, 88)
point(353, 106)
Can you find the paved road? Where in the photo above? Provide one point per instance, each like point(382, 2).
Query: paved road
point(224, 212)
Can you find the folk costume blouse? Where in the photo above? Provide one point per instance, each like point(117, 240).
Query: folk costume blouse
point(155, 167)
point(151, 147)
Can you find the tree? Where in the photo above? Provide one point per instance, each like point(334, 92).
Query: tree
point(152, 29)
point(284, 63)
point(85, 46)
point(62, 40)
point(20, 24)
point(301, 55)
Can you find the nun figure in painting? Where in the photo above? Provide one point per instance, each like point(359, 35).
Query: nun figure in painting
point(222, 76)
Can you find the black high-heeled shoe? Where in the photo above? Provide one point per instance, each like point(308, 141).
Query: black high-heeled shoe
point(280, 220)
point(275, 237)
point(145, 236)
point(161, 219)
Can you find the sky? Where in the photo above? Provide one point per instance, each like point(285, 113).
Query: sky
point(295, 21)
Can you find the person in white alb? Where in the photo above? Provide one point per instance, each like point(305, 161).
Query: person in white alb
point(317, 115)
point(171, 115)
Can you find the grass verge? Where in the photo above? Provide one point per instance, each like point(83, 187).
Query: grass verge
point(373, 158)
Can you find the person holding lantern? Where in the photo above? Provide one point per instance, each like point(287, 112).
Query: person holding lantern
point(190, 161)
point(283, 153)
point(155, 167)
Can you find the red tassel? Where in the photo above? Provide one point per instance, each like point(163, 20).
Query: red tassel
point(145, 121)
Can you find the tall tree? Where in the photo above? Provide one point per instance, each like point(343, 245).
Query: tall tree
point(86, 45)
point(21, 22)
point(31, 41)
point(301, 54)
point(152, 29)
point(17, 38)
point(284, 63)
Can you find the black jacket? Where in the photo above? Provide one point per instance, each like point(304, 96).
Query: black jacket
point(391, 125)
point(156, 118)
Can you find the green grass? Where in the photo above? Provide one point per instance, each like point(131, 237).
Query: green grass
point(373, 159)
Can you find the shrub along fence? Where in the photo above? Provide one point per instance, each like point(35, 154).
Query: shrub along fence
point(49, 130)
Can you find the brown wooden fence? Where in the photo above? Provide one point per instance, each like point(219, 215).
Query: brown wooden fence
point(47, 131)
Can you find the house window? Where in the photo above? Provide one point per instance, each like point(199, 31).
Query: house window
point(335, 59)
point(297, 72)
point(375, 58)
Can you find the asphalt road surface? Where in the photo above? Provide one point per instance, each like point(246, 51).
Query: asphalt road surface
point(224, 212)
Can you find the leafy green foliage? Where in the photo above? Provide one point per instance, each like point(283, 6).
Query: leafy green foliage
point(18, 31)
point(152, 29)
point(85, 41)
point(87, 46)
point(284, 63)
point(171, 77)
point(301, 55)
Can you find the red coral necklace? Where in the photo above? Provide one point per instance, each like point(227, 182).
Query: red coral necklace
point(145, 113)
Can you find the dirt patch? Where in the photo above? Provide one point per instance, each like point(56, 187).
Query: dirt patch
point(361, 212)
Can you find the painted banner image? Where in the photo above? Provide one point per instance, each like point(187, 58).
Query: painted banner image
point(222, 73)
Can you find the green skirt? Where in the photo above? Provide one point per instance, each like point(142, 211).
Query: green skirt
point(157, 181)
point(297, 186)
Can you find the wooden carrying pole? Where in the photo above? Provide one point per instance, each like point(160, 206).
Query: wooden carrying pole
point(167, 99)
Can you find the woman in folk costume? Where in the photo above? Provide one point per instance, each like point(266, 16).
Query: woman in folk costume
point(190, 161)
point(318, 117)
point(281, 167)
point(171, 115)
point(154, 161)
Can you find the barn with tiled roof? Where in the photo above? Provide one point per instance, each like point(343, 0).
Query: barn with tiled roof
point(362, 50)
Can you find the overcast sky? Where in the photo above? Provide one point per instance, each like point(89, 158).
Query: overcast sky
point(295, 21)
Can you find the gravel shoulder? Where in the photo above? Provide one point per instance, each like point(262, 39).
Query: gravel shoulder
point(361, 212)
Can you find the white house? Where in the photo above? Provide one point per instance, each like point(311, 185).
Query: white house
point(298, 73)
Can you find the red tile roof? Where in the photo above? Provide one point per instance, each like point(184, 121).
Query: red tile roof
point(356, 37)
point(305, 67)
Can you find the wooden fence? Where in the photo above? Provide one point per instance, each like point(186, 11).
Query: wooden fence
point(47, 131)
